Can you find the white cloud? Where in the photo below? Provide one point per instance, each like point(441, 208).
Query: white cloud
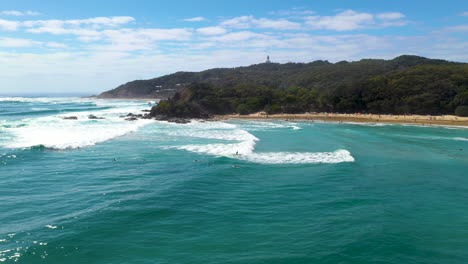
point(211, 31)
point(293, 12)
point(56, 45)
point(391, 23)
point(140, 39)
point(86, 29)
point(280, 24)
point(459, 28)
point(235, 37)
point(95, 22)
point(352, 20)
point(17, 43)
point(346, 20)
point(194, 19)
point(102, 29)
point(238, 22)
point(8, 25)
point(244, 22)
point(27, 43)
point(390, 16)
point(153, 34)
point(464, 14)
point(19, 13)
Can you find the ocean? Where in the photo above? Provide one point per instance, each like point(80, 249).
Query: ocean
point(237, 191)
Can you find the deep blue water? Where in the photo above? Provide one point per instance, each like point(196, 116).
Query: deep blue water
point(114, 191)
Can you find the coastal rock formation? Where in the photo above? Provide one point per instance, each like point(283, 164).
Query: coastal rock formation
point(70, 118)
point(95, 117)
point(134, 117)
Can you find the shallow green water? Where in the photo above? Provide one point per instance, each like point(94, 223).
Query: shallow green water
point(112, 191)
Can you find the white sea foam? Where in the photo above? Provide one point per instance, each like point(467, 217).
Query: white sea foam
point(241, 145)
point(57, 133)
point(365, 124)
point(64, 100)
point(66, 134)
point(338, 156)
point(434, 137)
point(253, 125)
point(231, 140)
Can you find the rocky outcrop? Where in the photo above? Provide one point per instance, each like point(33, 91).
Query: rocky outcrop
point(95, 117)
point(177, 120)
point(134, 117)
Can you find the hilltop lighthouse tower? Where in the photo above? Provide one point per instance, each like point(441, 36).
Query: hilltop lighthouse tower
point(268, 59)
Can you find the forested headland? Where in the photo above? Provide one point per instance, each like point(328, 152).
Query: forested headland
point(404, 85)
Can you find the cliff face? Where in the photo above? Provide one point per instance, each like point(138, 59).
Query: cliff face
point(317, 75)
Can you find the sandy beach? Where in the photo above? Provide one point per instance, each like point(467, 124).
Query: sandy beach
point(449, 120)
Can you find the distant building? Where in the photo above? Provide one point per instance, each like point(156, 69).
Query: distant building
point(268, 59)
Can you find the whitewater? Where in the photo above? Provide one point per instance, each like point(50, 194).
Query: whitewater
point(55, 132)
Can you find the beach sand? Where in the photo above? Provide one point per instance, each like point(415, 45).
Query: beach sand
point(446, 120)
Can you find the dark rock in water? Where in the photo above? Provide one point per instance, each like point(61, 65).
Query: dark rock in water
point(147, 116)
point(70, 118)
point(146, 110)
point(160, 117)
point(133, 115)
point(184, 121)
point(95, 117)
point(178, 120)
point(131, 119)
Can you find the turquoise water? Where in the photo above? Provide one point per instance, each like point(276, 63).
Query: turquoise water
point(113, 191)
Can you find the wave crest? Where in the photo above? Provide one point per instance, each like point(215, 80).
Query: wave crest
point(243, 147)
point(53, 132)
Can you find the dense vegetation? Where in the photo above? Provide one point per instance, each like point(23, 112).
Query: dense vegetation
point(425, 90)
point(317, 75)
point(404, 85)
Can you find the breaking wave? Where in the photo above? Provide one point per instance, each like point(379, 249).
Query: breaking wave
point(240, 144)
point(56, 133)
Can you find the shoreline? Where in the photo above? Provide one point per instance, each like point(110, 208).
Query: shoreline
point(446, 120)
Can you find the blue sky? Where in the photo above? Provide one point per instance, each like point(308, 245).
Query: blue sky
point(92, 46)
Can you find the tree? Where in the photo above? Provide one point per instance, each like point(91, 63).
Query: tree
point(462, 111)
